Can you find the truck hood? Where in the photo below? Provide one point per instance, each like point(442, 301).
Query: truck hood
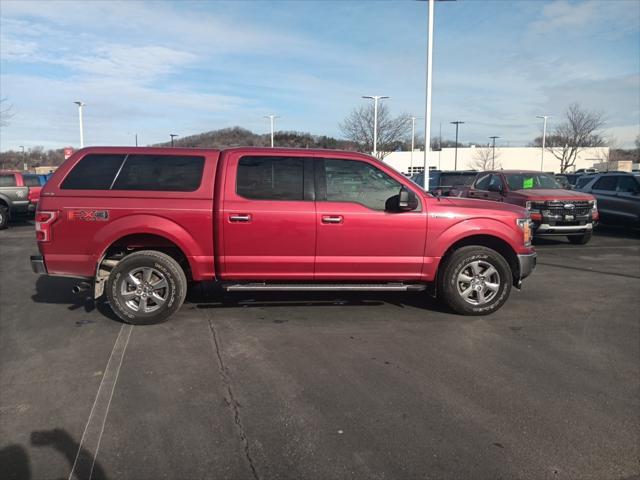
point(497, 207)
point(542, 194)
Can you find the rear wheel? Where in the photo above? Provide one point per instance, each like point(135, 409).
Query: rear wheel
point(4, 217)
point(146, 287)
point(475, 280)
point(580, 239)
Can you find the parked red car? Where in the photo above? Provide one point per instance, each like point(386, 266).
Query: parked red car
point(554, 210)
point(142, 222)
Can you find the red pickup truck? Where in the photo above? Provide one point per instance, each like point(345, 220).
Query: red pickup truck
point(554, 210)
point(140, 223)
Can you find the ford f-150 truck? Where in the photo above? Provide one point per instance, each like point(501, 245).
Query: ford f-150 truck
point(554, 211)
point(141, 223)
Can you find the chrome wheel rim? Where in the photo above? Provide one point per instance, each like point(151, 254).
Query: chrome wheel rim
point(144, 289)
point(478, 282)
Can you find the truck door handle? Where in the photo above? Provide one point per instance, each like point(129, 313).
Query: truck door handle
point(240, 218)
point(332, 219)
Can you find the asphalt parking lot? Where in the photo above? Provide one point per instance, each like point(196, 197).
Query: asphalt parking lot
point(327, 386)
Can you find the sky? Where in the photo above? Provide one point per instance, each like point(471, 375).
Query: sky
point(155, 68)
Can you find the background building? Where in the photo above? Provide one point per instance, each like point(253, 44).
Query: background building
point(480, 158)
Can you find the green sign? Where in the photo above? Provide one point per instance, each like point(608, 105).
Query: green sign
point(527, 183)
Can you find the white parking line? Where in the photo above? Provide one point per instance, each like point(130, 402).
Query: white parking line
point(85, 460)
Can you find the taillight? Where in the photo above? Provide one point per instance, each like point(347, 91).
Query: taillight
point(44, 220)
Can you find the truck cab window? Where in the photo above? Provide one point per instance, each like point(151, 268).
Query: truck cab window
point(7, 180)
point(359, 182)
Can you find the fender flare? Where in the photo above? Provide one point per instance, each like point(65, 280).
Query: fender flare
point(146, 224)
point(6, 200)
point(472, 227)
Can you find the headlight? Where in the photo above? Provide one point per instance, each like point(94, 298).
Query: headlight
point(525, 226)
point(594, 206)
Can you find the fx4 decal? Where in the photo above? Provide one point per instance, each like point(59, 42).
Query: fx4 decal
point(89, 215)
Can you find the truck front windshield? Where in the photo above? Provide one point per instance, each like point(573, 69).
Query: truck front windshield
point(531, 181)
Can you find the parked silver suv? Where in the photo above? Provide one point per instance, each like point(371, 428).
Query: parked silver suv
point(618, 197)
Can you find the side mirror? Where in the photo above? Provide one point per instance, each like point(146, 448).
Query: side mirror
point(407, 200)
point(495, 188)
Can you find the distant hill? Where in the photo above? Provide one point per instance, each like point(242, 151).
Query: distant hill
point(223, 138)
point(241, 137)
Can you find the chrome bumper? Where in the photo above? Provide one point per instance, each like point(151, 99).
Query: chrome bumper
point(37, 264)
point(546, 229)
point(527, 264)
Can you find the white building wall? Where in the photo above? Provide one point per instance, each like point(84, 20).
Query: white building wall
point(508, 158)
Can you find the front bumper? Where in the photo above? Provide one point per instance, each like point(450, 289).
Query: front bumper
point(546, 229)
point(527, 263)
point(37, 265)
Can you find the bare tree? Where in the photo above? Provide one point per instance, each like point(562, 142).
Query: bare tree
point(581, 129)
point(392, 132)
point(483, 159)
point(6, 112)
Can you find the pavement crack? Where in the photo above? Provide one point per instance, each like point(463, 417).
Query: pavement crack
point(231, 400)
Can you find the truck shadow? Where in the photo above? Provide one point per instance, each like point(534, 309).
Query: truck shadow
point(57, 290)
point(15, 463)
point(210, 296)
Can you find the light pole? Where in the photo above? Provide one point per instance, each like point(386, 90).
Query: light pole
point(375, 99)
point(493, 156)
point(271, 118)
point(544, 138)
point(455, 161)
point(24, 159)
point(427, 99)
point(413, 137)
point(136, 139)
point(80, 105)
point(172, 135)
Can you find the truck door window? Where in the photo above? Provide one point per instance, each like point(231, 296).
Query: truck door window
point(606, 183)
point(483, 182)
point(359, 182)
point(628, 185)
point(7, 180)
point(271, 178)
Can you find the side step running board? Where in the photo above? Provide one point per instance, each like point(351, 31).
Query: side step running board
point(325, 287)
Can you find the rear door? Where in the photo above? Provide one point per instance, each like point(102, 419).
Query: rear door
point(628, 198)
point(268, 217)
point(359, 237)
point(604, 189)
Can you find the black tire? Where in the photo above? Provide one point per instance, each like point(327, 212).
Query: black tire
point(460, 263)
point(123, 294)
point(580, 239)
point(4, 217)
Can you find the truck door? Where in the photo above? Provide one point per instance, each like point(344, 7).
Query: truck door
point(359, 237)
point(268, 217)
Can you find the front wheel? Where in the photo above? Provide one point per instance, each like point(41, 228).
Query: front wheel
point(580, 239)
point(475, 280)
point(146, 287)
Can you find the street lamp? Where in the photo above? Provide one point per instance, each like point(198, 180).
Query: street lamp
point(173, 135)
point(24, 159)
point(413, 137)
point(455, 161)
point(375, 99)
point(80, 105)
point(493, 157)
point(271, 118)
point(544, 137)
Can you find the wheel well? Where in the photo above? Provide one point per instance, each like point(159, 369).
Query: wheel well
point(3, 203)
point(494, 243)
point(144, 241)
